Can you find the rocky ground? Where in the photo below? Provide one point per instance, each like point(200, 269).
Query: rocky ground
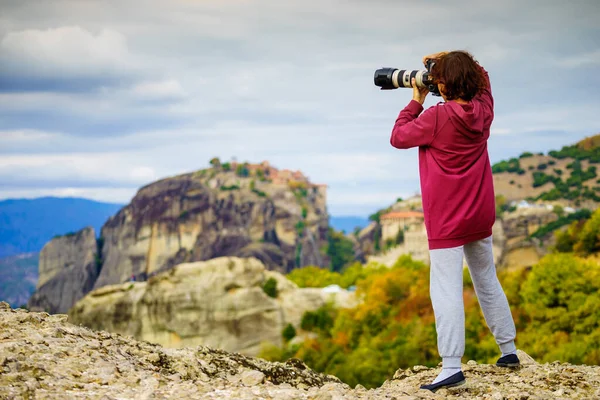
point(44, 357)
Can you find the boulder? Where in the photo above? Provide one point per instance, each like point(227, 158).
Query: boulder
point(219, 303)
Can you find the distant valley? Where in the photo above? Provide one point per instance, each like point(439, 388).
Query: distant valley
point(348, 224)
point(26, 225)
point(18, 277)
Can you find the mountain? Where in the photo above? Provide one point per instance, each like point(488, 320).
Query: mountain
point(567, 176)
point(18, 276)
point(347, 224)
point(231, 209)
point(27, 224)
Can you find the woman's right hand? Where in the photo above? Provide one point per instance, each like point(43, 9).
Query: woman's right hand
point(434, 56)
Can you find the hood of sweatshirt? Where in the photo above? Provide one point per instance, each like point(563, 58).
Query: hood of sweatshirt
point(468, 118)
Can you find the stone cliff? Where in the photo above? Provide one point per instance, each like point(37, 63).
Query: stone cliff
point(243, 210)
point(68, 268)
point(220, 303)
point(44, 357)
point(214, 213)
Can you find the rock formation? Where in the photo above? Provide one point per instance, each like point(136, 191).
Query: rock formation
point(519, 249)
point(68, 269)
point(199, 216)
point(278, 217)
point(44, 357)
point(220, 303)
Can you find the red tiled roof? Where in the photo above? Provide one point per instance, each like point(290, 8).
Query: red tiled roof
point(402, 214)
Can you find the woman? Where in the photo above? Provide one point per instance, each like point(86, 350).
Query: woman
point(459, 205)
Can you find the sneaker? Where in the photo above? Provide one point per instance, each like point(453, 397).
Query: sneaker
point(454, 380)
point(509, 361)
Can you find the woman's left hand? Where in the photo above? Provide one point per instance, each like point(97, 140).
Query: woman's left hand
point(419, 94)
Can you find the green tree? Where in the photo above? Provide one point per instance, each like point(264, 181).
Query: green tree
point(215, 162)
point(558, 210)
point(400, 236)
point(320, 320)
point(589, 238)
point(500, 204)
point(561, 297)
point(564, 241)
point(340, 250)
point(312, 276)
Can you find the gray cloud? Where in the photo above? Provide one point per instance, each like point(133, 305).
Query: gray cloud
point(143, 90)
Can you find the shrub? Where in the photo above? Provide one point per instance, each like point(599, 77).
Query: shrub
point(289, 332)
point(230, 187)
point(388, 244)
point(540, 179)
point(511, 165)
point(270, 288)
point(242, 171)
point(298, 256)
point(319, 320)
point(561, 221)
point(300, 227)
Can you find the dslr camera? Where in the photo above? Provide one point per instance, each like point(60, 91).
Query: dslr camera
point(393, 78)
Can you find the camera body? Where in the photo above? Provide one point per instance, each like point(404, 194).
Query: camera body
point(393, 78)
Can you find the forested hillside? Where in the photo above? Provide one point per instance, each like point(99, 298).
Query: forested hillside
point(569, 175)
point(556, 306)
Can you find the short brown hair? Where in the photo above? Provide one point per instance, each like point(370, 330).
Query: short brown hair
point(461, 75)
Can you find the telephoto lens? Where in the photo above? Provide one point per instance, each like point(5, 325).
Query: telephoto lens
point(393, 78)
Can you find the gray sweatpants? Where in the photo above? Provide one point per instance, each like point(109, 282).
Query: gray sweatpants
point(446, 291)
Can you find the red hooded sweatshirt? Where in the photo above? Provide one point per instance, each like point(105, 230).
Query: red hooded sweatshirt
point(456, 176)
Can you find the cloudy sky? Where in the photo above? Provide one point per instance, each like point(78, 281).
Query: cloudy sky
point(100, 97)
